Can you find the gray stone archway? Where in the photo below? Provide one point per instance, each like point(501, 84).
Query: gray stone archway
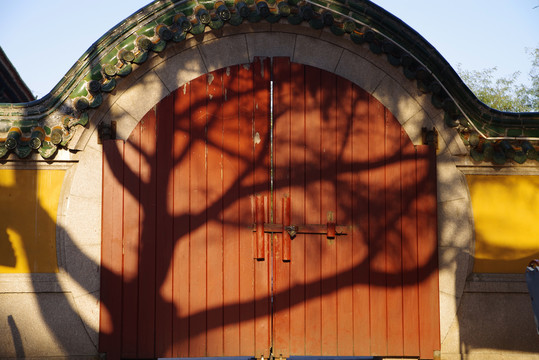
point(179, 63)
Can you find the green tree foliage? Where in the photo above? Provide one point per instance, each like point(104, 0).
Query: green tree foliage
point(505, 93)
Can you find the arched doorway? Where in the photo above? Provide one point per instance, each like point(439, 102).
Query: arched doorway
point(208, 259)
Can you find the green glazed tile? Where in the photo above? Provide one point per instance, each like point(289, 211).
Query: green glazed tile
point(149, 32)
point(519, 157)
point(476, 155)
point(179, 36)
point(23, 151)
point(98, 100)
point(198, 28)
point(340, 9)
point(160, 46)
point(254, 17)
point(109, 85)
point(356, 6)
point(142, 57)
point(357, 38)
point(235, 19)
point(514, 132)
point(207, 4)
point(336, 30)
point(531, 133)
point(109, 58)
point(83, 120)
point(80, 91)
point(273, 18)
point(294, 19)
point(47, 151)
point(95, 73)
point(316, 23)
point(499, 158)
point(216, 24)
point(495, 131)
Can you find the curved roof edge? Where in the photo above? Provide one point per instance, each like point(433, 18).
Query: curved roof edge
point(50, 122)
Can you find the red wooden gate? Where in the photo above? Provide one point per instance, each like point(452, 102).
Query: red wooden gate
point(195, 262)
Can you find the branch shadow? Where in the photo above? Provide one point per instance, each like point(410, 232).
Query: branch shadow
point(150, 185)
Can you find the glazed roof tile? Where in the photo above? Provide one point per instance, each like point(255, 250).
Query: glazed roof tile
point(46, 124)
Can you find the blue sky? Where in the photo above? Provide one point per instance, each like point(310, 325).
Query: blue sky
point(43, 39)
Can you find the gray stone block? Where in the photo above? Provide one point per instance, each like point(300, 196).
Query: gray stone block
point(401, 104)
point(414, 125)
point(181, 68)
point(270, 44)
point(87, 176)
point(455, 224)
point(88, 309)
point(453, 270)
point(143, 95)
point(360, 71)
point(318, 53)
point(125, 123)
point(448, 312)
point(451, 182)
point(82, 266)
point(42, 325)
point(83, 220)
point(227, 51)
point(491, 324)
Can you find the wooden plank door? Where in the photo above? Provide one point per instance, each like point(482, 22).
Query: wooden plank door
point(179, 277)
point(374, 290)
point(185, 275)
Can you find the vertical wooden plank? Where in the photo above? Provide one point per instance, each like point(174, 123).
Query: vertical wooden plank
point(214, 198)
point(393, 236)
point(410, 306)
point(313, 323)
point(281, 145)
point(164, 228)
point(429, 307)
point(231, 215)
point(131, 243)
point(246, 180)
point(146, 332)
point(345, 195)
point(110, 306)
point(360, 230)
point(261, 73)
point(377, 226)
point(328, 199)
point(198, 219)
point(297, 204)
point(181, 149)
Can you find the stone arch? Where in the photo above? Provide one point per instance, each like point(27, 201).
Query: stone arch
point(179, 63)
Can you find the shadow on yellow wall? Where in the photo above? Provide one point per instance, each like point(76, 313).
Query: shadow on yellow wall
point(506, 214)
point(28, 208)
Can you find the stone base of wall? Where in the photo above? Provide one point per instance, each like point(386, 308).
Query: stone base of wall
point(494, 320)
point(42, 325)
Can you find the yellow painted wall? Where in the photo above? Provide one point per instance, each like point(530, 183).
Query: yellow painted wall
point(506, 217)
point(28, 206)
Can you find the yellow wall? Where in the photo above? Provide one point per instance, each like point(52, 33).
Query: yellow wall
point(506, 216)
point(28, 205)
